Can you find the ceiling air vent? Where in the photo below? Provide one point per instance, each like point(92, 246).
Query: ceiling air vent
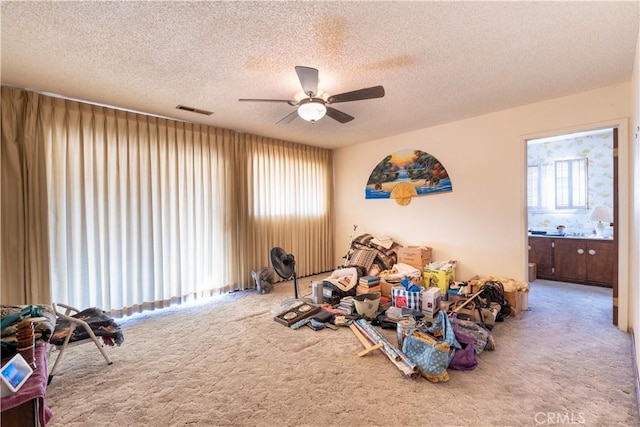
point(194, 110)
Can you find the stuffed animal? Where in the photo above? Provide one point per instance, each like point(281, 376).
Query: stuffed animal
point(263, 280)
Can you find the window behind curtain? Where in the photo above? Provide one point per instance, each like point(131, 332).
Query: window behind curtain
point(288, 203)
point(284, 185)
point(138, 218)
point(147, 212)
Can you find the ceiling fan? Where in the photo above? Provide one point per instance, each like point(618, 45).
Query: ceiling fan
point(314, 107)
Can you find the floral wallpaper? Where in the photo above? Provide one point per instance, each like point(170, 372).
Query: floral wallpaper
point(598, 149)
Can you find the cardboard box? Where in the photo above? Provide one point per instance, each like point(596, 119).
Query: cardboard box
point(519, 301)
point(439, 278)
point(431, 301)
point(524, 301)
point(385, 288)
point(418, 282)
point(512, 297)
point(415, 256)
point(532, 272)
point(363, 290)
point(453, 295)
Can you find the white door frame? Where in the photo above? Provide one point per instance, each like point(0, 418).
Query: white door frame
point(624, 191)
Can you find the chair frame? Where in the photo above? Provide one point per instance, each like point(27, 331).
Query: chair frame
point(73, 324)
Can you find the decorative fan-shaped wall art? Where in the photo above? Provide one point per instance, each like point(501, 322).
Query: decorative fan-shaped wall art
point(406, 174)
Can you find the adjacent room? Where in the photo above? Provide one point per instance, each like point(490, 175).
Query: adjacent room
point(267, 213)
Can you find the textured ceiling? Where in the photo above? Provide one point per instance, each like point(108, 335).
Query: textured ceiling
point(438, 61)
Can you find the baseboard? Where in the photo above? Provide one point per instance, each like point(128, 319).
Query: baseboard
point(636, 375)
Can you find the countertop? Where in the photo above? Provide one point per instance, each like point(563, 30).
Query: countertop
point(571, 236)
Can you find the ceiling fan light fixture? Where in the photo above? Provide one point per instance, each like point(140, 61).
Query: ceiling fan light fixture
point(312, 111)
point(312, 105)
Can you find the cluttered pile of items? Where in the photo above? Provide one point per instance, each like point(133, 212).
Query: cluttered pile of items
point(439, 323)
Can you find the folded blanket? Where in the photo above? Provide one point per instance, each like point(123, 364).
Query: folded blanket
point(98, 320)
point(386, 254)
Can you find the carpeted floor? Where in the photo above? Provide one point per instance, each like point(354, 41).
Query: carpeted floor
point(227, 363)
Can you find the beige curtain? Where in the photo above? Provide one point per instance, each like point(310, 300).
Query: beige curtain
point(25, 251)
point(141, 205)
point(288, 191)
point(145, 212)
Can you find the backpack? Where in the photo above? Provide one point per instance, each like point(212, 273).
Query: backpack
point(493, 292)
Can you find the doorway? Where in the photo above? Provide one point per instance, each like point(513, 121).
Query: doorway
point(572, 203)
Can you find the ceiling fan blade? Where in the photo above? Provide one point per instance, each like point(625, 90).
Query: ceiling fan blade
point(288, 118)
point(357, 95)
point(308, 80)
point(339, 115)
point(288, 101)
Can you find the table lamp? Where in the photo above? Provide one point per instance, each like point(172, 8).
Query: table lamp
point(601, 215)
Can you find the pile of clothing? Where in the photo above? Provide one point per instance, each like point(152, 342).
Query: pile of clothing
point(42, 317)
point(373, 252)
point(368, 255)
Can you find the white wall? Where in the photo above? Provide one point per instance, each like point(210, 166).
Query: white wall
point(482, 223)
point(634, 248)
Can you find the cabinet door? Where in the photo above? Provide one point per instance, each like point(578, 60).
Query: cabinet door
point(571, 260)
point(600, 262)
point(541, 253)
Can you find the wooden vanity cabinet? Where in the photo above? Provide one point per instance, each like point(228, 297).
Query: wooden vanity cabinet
point(588, 261)
point(584, 261)
point(600, 263)
point(541, 253)
point(571, 260)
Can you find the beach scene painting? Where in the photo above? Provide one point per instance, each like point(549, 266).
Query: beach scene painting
point(405, 174)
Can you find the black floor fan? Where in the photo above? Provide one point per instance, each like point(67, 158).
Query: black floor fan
point(285, 265)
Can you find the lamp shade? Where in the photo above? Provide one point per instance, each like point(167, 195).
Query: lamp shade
point(312, 111)
point(600, 214)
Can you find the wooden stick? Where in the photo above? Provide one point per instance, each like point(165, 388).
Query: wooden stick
point(389, 349)
point(368, 347)
point(471, 298)
point(403, 363)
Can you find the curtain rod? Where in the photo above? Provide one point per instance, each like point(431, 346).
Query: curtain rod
point(98, 104)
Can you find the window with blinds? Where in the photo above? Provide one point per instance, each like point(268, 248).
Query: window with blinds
point(560, 185)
